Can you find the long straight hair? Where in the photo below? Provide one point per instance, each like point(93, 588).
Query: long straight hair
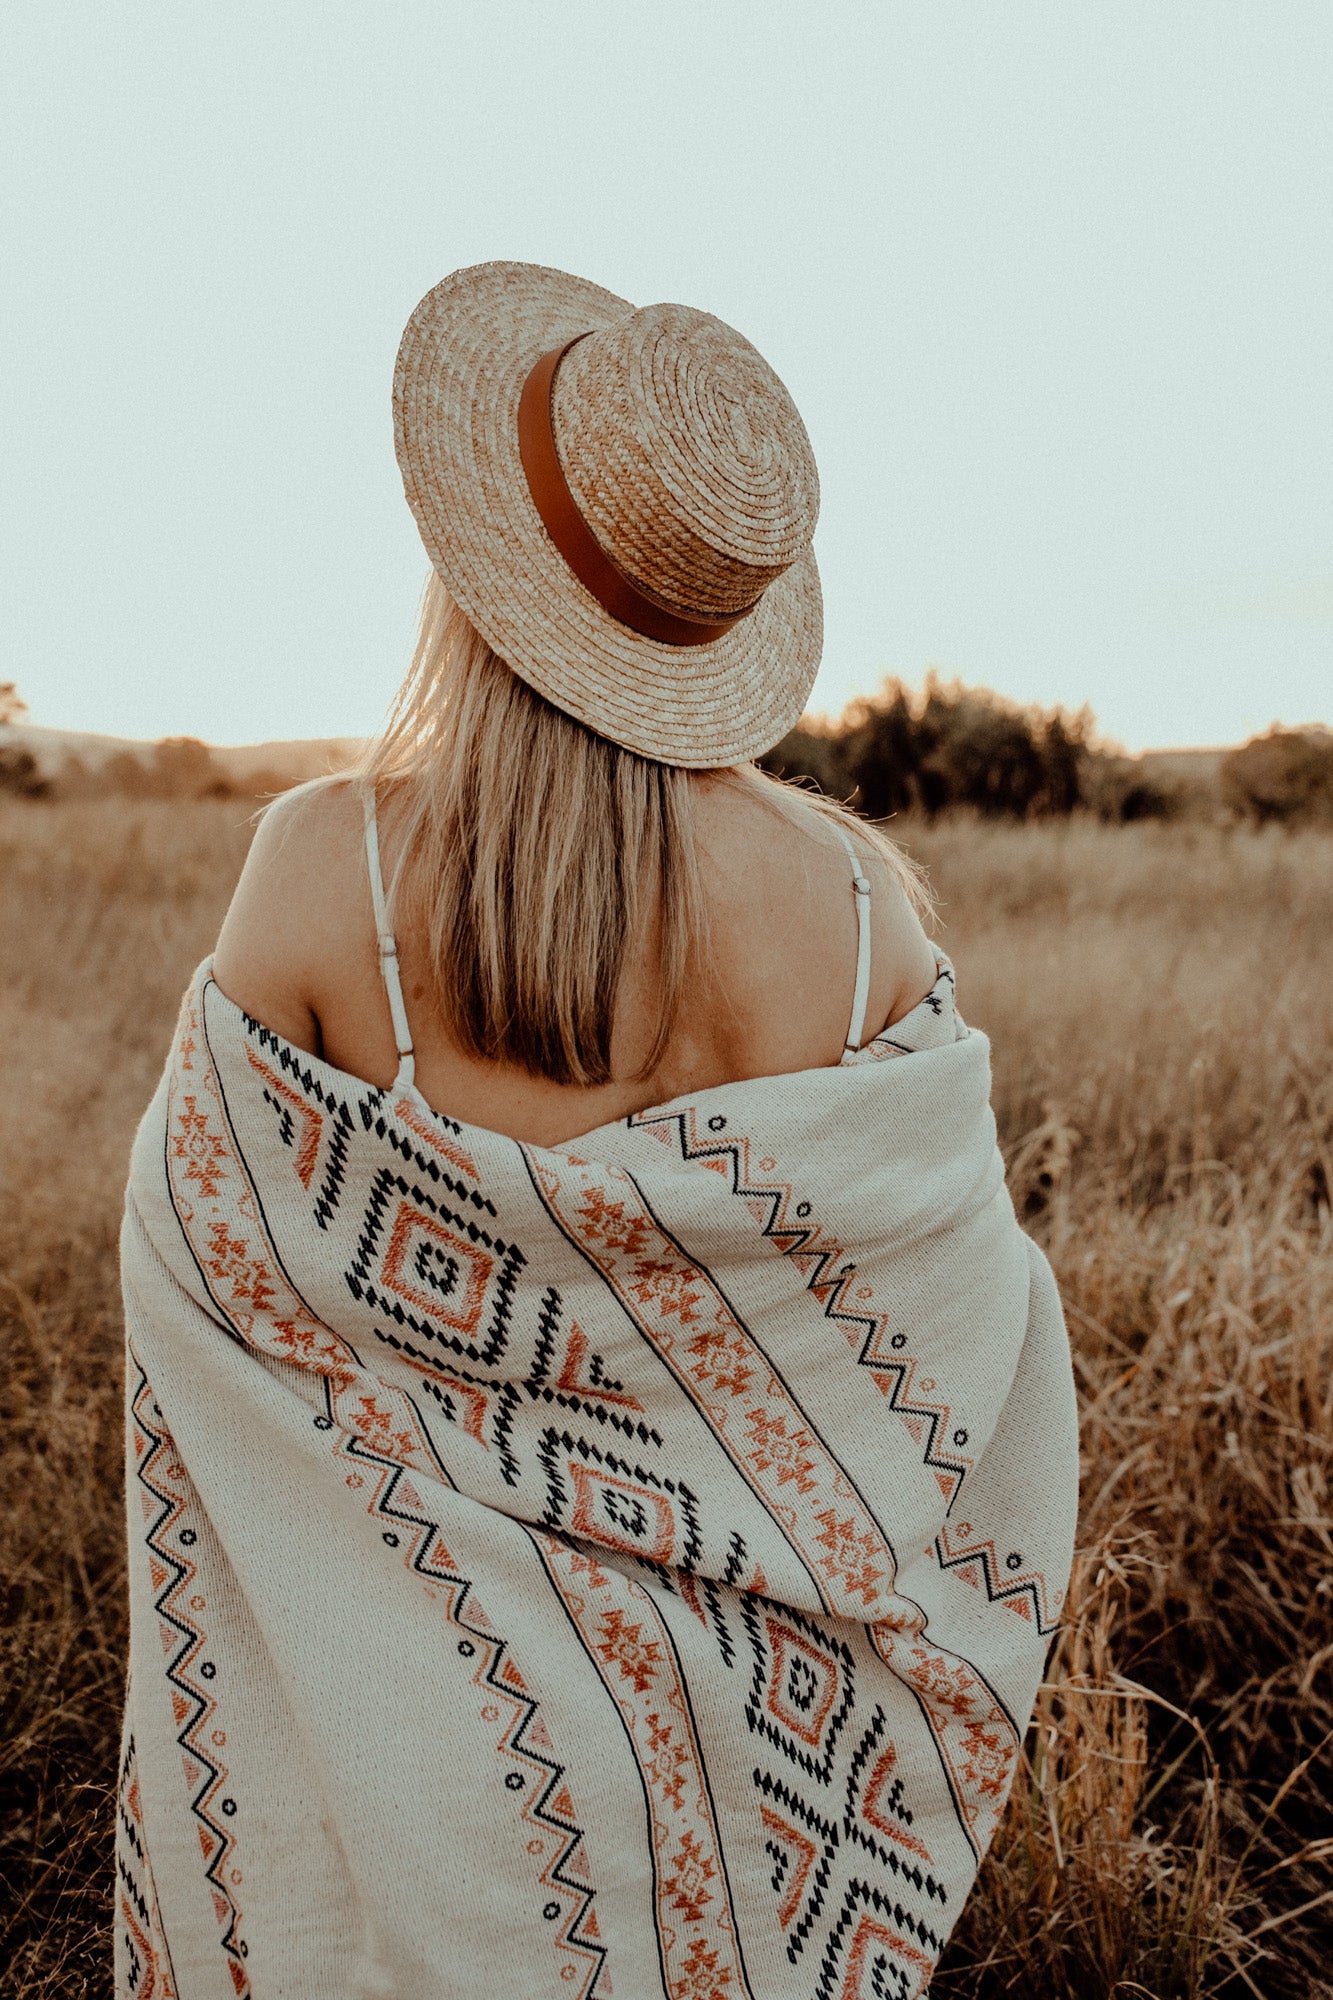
point(536, 856)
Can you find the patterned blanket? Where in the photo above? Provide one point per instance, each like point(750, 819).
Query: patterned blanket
point(624, 1569)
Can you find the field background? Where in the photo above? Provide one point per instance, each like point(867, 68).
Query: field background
point(1161, 1007)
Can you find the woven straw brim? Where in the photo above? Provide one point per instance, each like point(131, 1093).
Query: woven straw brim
point(464, 357)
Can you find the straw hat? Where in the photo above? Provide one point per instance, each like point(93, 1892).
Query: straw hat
point(621, 502)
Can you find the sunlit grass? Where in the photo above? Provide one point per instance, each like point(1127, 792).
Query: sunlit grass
point(1162, 1017)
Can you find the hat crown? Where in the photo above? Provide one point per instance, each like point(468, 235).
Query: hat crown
point(686, 457)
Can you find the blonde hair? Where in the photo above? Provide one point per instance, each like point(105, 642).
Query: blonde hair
point(536, 856)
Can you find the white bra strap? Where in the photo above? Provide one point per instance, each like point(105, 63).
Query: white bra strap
point(388, 949)
point(861, 991)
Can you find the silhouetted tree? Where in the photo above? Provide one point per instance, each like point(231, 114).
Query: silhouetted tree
point(882, 751)
point(1065, 751)
point(954, 746)
point(1286, 774)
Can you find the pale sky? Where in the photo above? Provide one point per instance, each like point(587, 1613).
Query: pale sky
point(1052, 285)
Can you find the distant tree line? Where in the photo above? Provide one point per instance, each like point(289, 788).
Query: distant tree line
point(945, 749)
point(175, 767)
point(951, 748)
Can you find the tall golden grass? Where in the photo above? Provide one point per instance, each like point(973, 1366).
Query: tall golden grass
point(1162, 1016)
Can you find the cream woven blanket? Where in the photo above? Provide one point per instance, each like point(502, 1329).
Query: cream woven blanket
point(617, 1570)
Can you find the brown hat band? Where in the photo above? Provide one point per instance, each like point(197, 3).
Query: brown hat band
point(628, 602)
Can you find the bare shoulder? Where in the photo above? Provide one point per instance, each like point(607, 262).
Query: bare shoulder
point(298, 899)
point(784, 879)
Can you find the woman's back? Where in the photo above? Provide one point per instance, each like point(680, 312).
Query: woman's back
point(770, 993)
point(629, 1561)
point(615, 1565)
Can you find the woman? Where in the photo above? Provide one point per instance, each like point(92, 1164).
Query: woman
point(601, 1451)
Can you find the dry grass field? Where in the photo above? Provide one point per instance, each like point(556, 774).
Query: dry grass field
point(1161, 1007)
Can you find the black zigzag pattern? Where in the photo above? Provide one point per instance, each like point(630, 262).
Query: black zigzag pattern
point(999, 1588)
point(138, 1920)
point(215, 1839)
point(712, 1598)
point(737, 1556)
point(128, 1840)
point(425, 1554)
point(827, 1279)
